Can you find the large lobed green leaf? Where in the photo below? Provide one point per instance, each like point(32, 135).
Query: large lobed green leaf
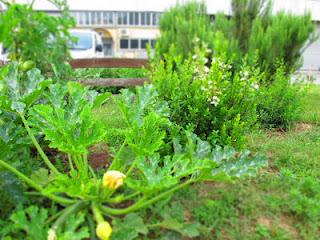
point(197, 160)
point(20, 90)
point(67, 120)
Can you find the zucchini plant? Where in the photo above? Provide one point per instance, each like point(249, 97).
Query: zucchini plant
point(64, 115)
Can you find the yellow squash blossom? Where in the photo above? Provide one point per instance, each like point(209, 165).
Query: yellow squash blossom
point(104, 230)
point(113, 179)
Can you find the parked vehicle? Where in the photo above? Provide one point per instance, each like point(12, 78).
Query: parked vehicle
point(88, 44)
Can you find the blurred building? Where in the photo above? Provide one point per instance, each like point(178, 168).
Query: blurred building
point(127, 26)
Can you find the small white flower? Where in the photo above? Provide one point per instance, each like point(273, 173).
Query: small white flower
point(52, 234)
point(206, 69)
point(213, 60)
point(222, 65)
point(210, 82)
point(203, 88)
point(195, 56)
point(205, 60)
point(246, 74)
point(215, 101)
point(230, 66)
point(197, 39)
point(255, 86)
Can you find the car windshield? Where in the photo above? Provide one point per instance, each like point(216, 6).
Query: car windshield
point(84, 41)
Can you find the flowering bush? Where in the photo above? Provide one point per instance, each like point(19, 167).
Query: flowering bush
point(208, 97)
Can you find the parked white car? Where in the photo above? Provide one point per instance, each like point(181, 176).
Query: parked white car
point(89, 44)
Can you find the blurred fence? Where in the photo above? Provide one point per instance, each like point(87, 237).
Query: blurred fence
point(109, 63)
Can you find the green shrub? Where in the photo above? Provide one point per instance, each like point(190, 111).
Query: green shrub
point(214, 102)
point(251, 33)
point(280, 101)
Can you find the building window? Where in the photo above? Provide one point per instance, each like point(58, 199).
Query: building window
point(108, 18)
point(156, 19)
point(120, 18)
point(148, 19)
point(134, 18)
point(93, 18)
point(81, 18)
point(87, 18)
point(99, 18)
point(144, 43)
point(123, 18)
point(143, 18)
point(134, 43)
point(131, 18)
point(153, 43)
point(124, 43)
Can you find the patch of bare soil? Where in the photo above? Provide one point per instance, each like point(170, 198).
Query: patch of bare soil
point(302, 127)
point(99, 156)
point(277, 132)
point(265, 222)
point(284, 223)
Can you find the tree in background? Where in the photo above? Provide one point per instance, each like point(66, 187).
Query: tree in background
point(181, 24)
point(29, 34)
point(244, 13)
point(251, 29)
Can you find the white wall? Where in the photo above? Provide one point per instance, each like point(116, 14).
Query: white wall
point(214, 6)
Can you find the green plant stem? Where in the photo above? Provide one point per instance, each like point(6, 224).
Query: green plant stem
point(55, 216)
point(115, 200)
point(70, 163)
point(37, 187)
point(116, 157)
point(131, 168)
point(96, 212)
point(21, 176)
point(67, 212)
point(39, 149)
point(91, 225)
point(144, 203)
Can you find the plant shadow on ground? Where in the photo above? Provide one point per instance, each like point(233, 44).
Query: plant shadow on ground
point(282, 203)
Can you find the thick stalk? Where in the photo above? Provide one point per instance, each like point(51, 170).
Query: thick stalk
point(34, 185)
point(118, 200)
point(143, 203)
point(97, 214)
point(39, 149)
point(67, 212)
point(70, 163)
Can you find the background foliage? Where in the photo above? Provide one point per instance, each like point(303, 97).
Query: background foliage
point(47, 46)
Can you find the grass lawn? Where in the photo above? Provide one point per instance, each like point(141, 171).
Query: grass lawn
point(283, 202)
